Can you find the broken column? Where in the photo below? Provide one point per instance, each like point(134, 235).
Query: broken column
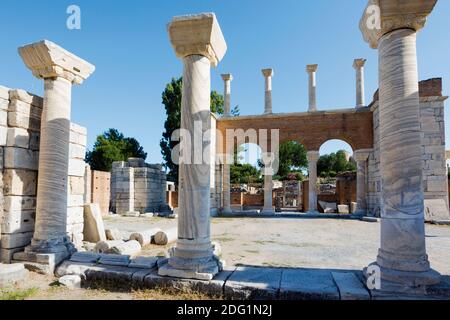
point(268, 74)
point(402, 256)
point(312, 157)
point(361, 157)
point(198, 40)
point(358, 65)
point(60, 69)
point(311, 69)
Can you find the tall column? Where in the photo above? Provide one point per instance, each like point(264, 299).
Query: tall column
point(198, 40)
point(311, 69)
point(227, 78)
point(358, 65)
point(402, 256)
point(59, 69)
point(268, 74)
point(312, 157)
point(361, 157)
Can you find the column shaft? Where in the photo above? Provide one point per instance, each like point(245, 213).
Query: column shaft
point(268, 194)
point(226, 189)
point(360, 95)
point(402, 211)
point(312, 92)
point(312, 156)
point(51, 208)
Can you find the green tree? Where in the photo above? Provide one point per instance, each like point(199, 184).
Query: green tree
point(171, 98)
point(334, 163)
point(244, 173)
point(112, 146)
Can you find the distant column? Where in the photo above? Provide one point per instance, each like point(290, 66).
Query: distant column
point(358, 65)
point(227, 78)
point(361, 157)
point(268, 74)
point(311, 69)
point(312, 157)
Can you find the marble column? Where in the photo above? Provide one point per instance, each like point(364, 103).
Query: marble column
point(358, 65)
point(59, 69)
point(311, 69)
point(361, 157)
point(268, 195)
point(402, 256)
point(226, 195)
point(227, 78)
point(312, 157)
point(198, 40)
point(268, 74)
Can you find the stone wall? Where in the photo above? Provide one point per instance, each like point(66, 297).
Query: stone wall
point(20, 116)
point(138, 187)
point(433, 153)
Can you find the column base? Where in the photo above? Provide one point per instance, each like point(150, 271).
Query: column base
point(268, 212)
point(314, 212)
point(43, 256)
point(192, 259)
point(404, 282)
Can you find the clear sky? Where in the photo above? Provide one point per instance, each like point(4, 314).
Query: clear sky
point(128, 43)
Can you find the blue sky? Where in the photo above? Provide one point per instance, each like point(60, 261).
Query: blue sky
point(128, 43)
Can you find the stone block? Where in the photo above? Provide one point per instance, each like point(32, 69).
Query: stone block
point(77, 151)
point(22, 95)
point(19, 182)
point(76, 128)
point(131, 248)
point(94, 230)
point(85, 257)
point(19, 158)
point(350, 287)
point(3, 118)
point(75, 215)
point(74, 200)
point(6, 255)
point(343, 209)
point(70, 281)
point(308, 284)
point(18, 221)
point(19, 203)
point(18, 137)
point(115, 260)
point(11, 274)
point(3, 135)
point(4, 93)
point(436, 185)
point(76, 185)
point(17, 240)
point(77, 167)
point(4, 104)
point(144, 262)
point(436, 209)
point(35, 140)
point(253, 283)
point(21, 120)
point(78, 138)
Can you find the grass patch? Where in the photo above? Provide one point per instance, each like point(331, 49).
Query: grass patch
point(13, 294)
point(167, 294)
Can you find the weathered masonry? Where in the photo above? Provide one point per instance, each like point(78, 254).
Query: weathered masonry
point(360, 128)
point(137, 186)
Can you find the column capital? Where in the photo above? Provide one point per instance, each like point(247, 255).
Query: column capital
point(359, 63)
point(267, 73)
point(383, 16)
point(362, 154)
point(312, 156)
point(198, 34)
point(227, 77)
point(48, 60)
point(310, 68)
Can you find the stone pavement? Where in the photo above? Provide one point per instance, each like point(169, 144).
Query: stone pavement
point(240, 282)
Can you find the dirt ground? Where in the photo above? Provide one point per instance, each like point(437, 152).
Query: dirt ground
point(278, 242)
